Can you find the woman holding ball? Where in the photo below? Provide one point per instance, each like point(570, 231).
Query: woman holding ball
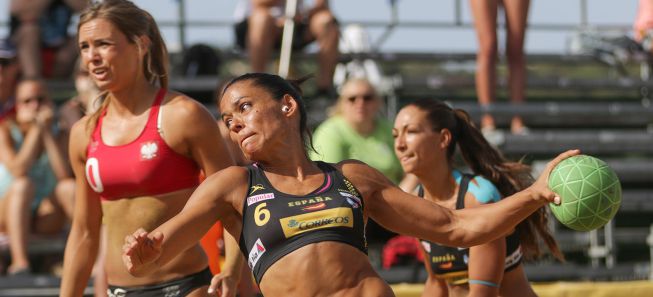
point(426, 134)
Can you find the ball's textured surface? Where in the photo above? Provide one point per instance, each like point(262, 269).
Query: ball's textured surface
point(590, 192)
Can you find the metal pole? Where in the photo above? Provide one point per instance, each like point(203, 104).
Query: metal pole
point(182, 25)
point(459, 13)
point(286, 41)
point(583, 13)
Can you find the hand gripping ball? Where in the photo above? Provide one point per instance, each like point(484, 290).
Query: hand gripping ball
point(590, 192)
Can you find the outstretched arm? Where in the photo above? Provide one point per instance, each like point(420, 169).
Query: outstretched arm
point(145, 251)
point(407, 214)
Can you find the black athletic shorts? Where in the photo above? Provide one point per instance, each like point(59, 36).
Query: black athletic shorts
point(174, 288)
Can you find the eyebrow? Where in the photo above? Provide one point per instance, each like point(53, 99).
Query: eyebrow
point(222, 115)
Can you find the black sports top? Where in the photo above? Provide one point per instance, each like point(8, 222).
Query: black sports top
point(276, 223)
point(450, 263)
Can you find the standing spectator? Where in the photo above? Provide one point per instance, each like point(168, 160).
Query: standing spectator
point(8, 76)
point(485, 22)
point(136, 161)
point(40, 30)
point(35, 185)
point(643, 26)
point(259, 26)
point(427, 133)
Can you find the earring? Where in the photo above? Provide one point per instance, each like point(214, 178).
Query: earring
point(285, 108)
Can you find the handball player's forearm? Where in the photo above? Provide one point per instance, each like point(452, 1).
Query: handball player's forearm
point(491, 221)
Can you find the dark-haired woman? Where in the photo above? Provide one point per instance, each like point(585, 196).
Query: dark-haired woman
point(138, 158)
point(301, 223)
point(427, 133)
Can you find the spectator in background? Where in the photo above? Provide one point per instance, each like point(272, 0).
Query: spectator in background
point(35, 185)
point(427, 133)
point(9, 70)
point(356, 131)
point(39, 28)
point(643, 26)
point(259, 26)
point(83, 103)
point(485, 22)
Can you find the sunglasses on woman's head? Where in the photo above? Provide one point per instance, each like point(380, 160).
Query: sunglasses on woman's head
point(366, 97)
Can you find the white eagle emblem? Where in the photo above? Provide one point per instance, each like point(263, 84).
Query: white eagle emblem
point(148, 150)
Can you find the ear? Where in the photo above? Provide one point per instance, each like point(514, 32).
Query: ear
point(292, 104)
point(445, 138)
point(143, 43)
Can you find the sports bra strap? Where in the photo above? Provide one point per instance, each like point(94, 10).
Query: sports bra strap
point(462, 190)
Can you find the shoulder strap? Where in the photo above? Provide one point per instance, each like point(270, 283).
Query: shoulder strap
point(154, 119)
point(462, 190)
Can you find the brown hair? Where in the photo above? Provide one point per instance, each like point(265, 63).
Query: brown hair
point(482, 158)
point(133, 22)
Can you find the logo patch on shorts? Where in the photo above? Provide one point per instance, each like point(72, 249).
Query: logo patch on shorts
point(258, 198)
point(255, 254)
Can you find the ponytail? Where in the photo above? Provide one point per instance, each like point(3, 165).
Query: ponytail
point(483, 159)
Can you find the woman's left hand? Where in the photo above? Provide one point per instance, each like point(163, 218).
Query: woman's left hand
point(540, 188)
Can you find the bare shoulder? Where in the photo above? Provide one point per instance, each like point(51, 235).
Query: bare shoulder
point(80, 134)
point(184, 106)
point(367, 179)
point(230, 183)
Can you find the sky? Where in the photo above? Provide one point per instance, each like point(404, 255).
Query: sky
point(445, 39)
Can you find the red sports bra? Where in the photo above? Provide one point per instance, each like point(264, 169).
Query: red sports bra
point(144, 167)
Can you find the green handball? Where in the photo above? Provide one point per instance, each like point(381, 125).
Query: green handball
point(590, 192)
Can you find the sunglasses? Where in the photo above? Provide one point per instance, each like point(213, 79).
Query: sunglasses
point(366, 97)
point(29, 100)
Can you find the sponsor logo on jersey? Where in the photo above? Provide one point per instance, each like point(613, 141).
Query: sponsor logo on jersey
point(313, 200)
point(443, 258)
point(514, 258)
point(328, 218)
point(149, 150)
point(351, 188)
point(258, 198)
point(314, 207)
point(255, 188)
point(255, 253)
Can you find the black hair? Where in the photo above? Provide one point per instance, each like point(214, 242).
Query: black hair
point(277, 87)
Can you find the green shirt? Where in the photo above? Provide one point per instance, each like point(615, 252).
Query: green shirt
point(334, 140)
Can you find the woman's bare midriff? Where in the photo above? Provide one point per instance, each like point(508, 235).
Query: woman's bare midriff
point(324, 269)
point(124, 216)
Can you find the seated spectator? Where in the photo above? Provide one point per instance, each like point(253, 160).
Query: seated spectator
point(40, 31)
point(8, 76)
point(643, 26)
point(355, 131)
point(78, 106)
point(259, 27)
point(36, 190)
